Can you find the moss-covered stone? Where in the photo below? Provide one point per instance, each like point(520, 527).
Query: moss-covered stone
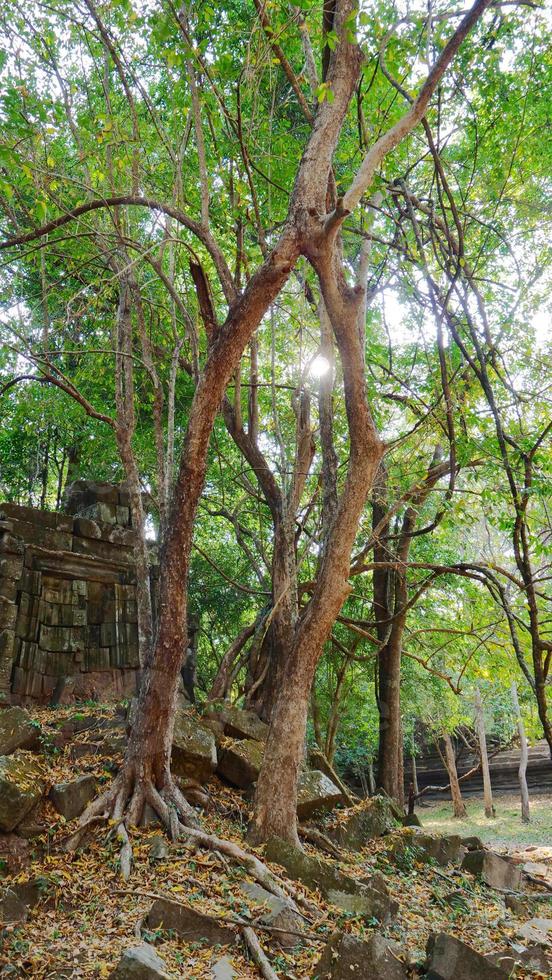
point(194, 752)
point(369, 899)
point(315, 793)
point(21, 787)
point(346, 956)
point(237, 722)
point(442, 850)
point(17, 730)
point(354, 828)
point(240, 762)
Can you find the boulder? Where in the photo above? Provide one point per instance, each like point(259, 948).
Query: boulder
point(240, 762)
point(17, 730)
point(237, 722)
point(280, 914)
point(472, 843)
point(316, 792)
point(140, 963)
point(354, 828)
point(12, 908)
point(368, 898)
point(451, 959)
point(495, 871)
point(21, 787)
point(441, 850)
point(189, 924)
point(70, 799)
point(194, 752)
point(371, 959)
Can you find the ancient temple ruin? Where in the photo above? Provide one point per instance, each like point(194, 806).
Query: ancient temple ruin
point(68, 617)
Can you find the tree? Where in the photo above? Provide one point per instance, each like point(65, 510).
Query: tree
point(311, 232)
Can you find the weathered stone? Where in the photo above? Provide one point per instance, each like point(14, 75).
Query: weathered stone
point(15, 854)
point(17, 730)
point(316, 792)
point(494, 870)
point(472, 843)
point(238, 722)
point(189, 924)
point(355, 827)
point(369, 898)
point(12, 909)
point(47, 518)
point(21, 787)
point(531, 958)
point(194, 752)
point(8, 614)
point(538, 931)
point(240, 762)
point(450, 959)
point(158, 849)
point(71, 798)
point(140, 963)
point(441, 850)
point(519, 906)
point(280, 914)
point(223, 969)
point(411, 820)
point(346, 956)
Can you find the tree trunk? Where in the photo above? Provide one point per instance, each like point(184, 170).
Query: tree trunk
point(265, 677)
point(524, 755)
point(414, 771)
point(276, 797)
point(458, 805)
point(371, 779)
point(485, 771)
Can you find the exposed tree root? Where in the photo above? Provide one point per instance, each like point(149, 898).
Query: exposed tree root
point(320, 840)
point(257, 953)
point(122, 805)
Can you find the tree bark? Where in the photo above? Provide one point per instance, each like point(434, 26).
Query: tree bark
point(458, 805)
point(485, 771)
point(524, 756)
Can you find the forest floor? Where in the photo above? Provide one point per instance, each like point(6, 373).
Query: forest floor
point(88, 916)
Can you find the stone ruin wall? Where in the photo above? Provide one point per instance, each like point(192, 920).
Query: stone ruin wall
point(68, 616)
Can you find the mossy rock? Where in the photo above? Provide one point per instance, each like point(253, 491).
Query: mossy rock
point(21, 787)
point(356, 827)
point(194, 752)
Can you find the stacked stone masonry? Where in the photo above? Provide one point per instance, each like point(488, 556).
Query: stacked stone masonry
point(68, 597)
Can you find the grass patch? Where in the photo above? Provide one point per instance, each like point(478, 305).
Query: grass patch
point(505, 829)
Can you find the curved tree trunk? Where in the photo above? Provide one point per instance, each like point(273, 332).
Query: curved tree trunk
point(524, 756)
point(458, 805)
